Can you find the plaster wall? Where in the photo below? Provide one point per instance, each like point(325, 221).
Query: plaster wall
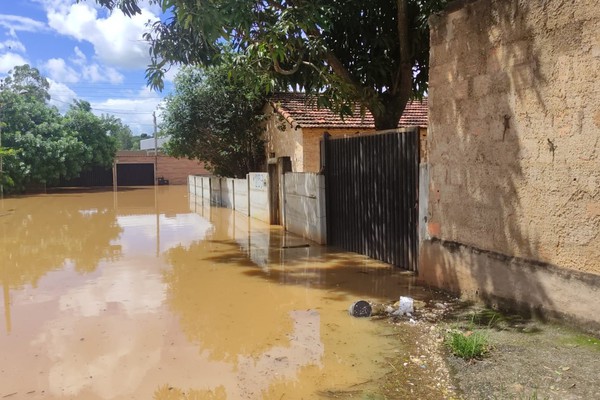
point(513, 142)
point(283, 140)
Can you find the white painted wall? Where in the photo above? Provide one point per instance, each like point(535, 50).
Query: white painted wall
point(258, 186)
point(304, 205)
point(227, 193)
point(304, 200)
point(241, 196)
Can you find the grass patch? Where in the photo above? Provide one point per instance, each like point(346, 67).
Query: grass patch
point(467, 345)
point(584, 341)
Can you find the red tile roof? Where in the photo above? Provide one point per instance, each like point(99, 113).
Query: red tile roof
point(295, 108)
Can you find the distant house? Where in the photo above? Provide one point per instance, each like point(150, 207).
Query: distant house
point(295, 127)
point(149, 144)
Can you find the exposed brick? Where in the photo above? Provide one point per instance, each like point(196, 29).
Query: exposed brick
point(434, 229)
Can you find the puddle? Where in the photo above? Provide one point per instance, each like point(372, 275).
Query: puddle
point(144, 294)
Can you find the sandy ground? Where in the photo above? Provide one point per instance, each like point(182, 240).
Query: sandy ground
point(526, 359)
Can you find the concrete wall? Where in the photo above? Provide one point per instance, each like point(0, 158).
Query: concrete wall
point(176, 170)
point(304, 200)
point(304, 210)
point(199, 189)
point(215, 191)
point(241, 196)
point(514, 194)
point(227, 193)
point(258, 189)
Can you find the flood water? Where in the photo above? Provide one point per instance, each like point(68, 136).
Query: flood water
point(144, 294)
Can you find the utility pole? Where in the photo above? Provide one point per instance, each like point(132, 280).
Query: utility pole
point(155, 149)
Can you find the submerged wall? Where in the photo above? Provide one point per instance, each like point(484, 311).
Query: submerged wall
point(303, 199)
point(514, 194)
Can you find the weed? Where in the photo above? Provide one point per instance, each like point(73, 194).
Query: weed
point(467, 345)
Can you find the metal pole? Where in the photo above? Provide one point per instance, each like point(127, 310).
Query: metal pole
point(155, 149)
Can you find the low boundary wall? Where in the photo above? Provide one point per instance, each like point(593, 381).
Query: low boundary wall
point(304, 211)
point(303, 198)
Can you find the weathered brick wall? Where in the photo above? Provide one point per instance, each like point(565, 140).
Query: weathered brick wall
point(515, 128)
point(176, 170)
point(283, 140)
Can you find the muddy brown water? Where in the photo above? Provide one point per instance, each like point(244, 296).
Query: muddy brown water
point(144, 294)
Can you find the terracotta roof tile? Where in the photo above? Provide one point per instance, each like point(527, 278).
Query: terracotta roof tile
point(295, 108)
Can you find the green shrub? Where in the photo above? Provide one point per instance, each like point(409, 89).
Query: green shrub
point(468, 345)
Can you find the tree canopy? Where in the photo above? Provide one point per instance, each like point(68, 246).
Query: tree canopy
point(215, 119)
point(41, 146)
point(375, 53)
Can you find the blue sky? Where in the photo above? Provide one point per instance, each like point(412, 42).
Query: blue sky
point(86, 53)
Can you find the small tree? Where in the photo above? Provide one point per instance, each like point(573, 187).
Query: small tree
point(92, 131)
point(39, 145)
point(121, 133)
point(215, 119)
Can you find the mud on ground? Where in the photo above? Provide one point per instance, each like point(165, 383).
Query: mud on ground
point(526, 358)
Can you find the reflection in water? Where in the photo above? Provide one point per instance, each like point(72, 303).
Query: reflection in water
point(34, 242)
point(41, 234)
point(131, 296)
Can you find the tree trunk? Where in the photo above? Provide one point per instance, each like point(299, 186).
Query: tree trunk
point(387, 116)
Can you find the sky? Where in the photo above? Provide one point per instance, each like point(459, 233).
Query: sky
point(85, 53)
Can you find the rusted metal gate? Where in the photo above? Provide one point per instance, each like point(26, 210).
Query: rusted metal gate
point(372, 195)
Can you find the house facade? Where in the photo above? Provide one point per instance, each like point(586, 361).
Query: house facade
point(295, 127)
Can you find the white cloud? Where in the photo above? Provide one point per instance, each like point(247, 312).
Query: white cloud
point(16, 23)
point(13, 45)
point(94, 72)
point(80, 58)
point(97, 73)
point(117, 39)
point(10, 60)
point(135, 112)
point(59, 71)
point(61, 95)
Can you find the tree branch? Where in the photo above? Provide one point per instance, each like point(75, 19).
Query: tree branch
point(340, 70)
point(286, 72)
point(405, 68)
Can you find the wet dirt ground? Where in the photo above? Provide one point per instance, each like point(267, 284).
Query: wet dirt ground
point(141, 294)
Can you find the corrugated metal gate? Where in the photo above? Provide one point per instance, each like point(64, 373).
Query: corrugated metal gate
point(372, 195)
point(135, 174)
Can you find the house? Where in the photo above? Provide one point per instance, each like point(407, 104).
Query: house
point(296, 125)
point(150, 143)
point(137, 168)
